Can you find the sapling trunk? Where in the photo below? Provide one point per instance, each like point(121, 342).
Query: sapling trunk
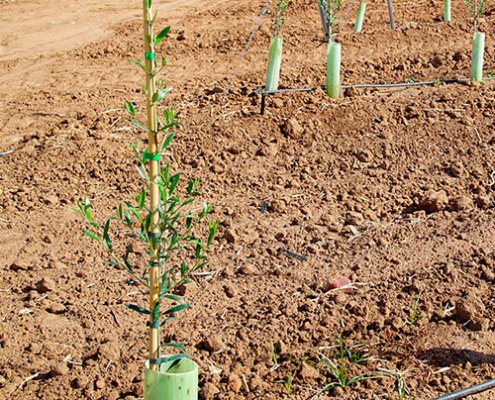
point(169, 210)
point(153, 173)
point(274, 63)
point(360, 17)
point(333, 69)
point(477, 57)
point(447, 10)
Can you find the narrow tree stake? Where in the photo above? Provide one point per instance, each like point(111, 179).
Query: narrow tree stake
point(323, 17)
point(391, 14)
point(154, 170)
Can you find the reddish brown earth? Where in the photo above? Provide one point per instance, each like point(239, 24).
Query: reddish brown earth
point(392, 189)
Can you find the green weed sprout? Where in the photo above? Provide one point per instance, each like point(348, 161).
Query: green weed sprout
point(288, 384)
point(162, 220)
point(415, 315)
point(400, 379)
point(340, 367)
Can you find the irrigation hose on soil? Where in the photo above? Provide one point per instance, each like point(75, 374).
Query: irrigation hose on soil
point(261, 90)
point(460, 394)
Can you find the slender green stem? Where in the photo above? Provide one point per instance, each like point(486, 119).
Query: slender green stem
point(153, 173)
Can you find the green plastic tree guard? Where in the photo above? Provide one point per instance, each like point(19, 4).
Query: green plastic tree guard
point(358, 26)
point(177, 382)
point(477, 57)
point(333, 69)
point(447, 10)
point(274, 63)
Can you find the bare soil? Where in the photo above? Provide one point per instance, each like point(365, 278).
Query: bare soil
point(391, 189)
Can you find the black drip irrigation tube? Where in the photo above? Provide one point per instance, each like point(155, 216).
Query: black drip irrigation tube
point(460, 394)
point(261, 90)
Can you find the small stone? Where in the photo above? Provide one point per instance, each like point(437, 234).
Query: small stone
point(256, 383)
point(34, 348)
point(483, 201)
point(308, 372)
point(211, 344)
point(461, 203)
point(109, 351)
point(209, 391)
point(458, 56)
point(351, 92)
point(230, 236)
point(230, 290)
point(469, 308)
point(50, 199)
point(247, 269)
point(434, 201)
point(100, 384)
point(250, 236)
point(234, 383)
point(277, 103)
point(280, 347)
point(21, 265)
point(292, 129)
point(59, 369)
point(339, 283)
point(364, 156)
point(436, 61)
point(57, 308)
point(46, 285)
point(47, 239)
point(479, 324)
point(354, 218)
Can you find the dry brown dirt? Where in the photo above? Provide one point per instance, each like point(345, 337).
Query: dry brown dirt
point(392, 189)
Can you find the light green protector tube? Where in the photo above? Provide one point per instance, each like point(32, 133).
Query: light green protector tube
point(360, 17)
point(333, 69)
point(179, 382)
point(447, 10)
point(477, 57)
point(274, 63)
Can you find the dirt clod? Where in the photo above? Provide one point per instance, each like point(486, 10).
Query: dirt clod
point(211, 344)
point(59, 369)
point(434, 201)
point(46, 285)
point(469, 308)
point(292, 129)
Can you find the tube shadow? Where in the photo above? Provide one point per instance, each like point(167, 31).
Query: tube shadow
point(442, 357)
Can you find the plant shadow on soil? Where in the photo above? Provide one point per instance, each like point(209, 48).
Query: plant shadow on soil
point(443, 357)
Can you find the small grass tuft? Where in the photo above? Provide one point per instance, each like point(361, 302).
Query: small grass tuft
point(341, 367)
point(415, 315)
